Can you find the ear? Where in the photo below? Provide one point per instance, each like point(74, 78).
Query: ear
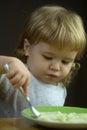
point(26, 47)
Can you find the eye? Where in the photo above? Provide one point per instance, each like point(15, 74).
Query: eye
point(47, 57)
point(66, 62)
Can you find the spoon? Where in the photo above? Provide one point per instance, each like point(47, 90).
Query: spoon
point(34, 111)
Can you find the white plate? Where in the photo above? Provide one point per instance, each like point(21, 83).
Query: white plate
point(28, 114)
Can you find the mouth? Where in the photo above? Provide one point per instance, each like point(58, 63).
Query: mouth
point(52, 76)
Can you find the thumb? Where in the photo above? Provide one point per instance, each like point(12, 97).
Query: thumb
point(25, 89)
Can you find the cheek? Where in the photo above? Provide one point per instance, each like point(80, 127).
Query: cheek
point(35, 64)
point(67, 70)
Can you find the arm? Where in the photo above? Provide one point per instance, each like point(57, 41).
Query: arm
point(18, 74)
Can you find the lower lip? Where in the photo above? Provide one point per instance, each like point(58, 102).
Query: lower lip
point(53, 76)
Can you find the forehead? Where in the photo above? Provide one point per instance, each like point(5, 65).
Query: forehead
point(46, 48)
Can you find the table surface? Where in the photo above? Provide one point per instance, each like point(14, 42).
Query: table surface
point(21, 124)
point(18, 124)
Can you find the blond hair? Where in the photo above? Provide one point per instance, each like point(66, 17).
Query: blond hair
point(55, 25)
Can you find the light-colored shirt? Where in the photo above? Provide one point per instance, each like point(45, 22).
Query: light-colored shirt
point(40, 94)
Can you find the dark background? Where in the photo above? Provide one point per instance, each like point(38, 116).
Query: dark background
point(12, 16)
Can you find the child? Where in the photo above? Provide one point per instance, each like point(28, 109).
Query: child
point(52, 41)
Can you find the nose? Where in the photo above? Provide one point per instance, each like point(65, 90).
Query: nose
point(55, 66)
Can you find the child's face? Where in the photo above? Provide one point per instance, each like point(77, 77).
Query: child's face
point(49, 64)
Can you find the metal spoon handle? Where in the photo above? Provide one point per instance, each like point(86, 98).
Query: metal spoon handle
point(26, 98)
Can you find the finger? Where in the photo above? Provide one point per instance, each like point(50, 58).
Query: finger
point(19, 82)
point(10, 74)
point(25, 87)
point(16, 79)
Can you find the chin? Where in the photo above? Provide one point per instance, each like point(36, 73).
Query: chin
point(52, 83)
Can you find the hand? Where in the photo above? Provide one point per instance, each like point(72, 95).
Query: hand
point(18, 75)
